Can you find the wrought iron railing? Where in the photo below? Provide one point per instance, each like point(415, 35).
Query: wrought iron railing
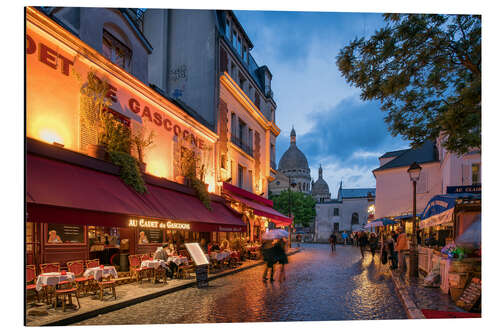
point(246, 148)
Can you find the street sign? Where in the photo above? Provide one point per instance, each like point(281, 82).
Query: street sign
point(463, 189)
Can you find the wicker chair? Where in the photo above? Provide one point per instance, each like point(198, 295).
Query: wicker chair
point(31, 281)
point(82, 283)
point(135, 267)
point(48, 291)
point(106, 283)
point(66, 292)
point(92, 263)
point(149, 272)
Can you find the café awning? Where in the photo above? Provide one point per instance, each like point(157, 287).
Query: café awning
point(440, 209)
point(259, 205)
point(59, 192)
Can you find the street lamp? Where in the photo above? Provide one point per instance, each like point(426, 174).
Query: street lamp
point(414, 173)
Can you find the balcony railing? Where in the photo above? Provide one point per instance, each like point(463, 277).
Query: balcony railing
point(246, 148)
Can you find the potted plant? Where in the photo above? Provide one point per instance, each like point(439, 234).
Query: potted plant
point(141, 142)
point(93, 114)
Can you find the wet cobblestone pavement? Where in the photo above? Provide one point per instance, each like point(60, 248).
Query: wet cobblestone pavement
point(430, 298)
point(319, 286)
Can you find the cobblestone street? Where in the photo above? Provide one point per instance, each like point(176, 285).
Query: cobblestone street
point(319, 286)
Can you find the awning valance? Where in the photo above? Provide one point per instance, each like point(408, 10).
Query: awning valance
point(443, 218)
point(440, 209)
point(59, 192)
point(259, 205)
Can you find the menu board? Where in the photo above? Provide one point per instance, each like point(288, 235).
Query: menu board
point(197, 254)
point(470, 295)
point(64, 234)
point(147, 236)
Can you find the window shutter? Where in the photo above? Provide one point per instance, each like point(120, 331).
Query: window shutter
point(466, 175)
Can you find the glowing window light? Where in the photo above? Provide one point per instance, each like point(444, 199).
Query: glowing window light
point(50, 136)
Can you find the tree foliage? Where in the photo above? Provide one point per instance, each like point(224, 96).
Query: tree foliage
point(302, 206)
point(426, 72)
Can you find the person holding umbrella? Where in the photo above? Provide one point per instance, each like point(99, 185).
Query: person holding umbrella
point(268, 257)
point(280, 257)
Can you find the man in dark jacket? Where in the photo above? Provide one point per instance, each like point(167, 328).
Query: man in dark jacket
point(362, 241)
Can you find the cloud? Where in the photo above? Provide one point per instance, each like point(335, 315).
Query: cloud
point(333, 126)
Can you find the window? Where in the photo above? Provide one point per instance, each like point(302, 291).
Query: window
point(238, 46)
point(354, 218)
point(233, 124)
point(115, 51)
point(257, 100)
point(240, 176)
point(245, 54)
point(250, 180)
point(250, 139)
point(476, 173)
point(228, 30)
point(241, 131)
point(335, 212)
point(272, 115)
point(235, 39)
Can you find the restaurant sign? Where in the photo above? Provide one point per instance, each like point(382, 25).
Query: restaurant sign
point(230, 229)
point(143, 223)
point(463, 189)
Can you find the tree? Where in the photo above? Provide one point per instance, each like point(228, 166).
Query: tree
point(426, 72)
point(302, 206)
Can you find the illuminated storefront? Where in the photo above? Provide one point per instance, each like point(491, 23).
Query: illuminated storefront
point(78, 206)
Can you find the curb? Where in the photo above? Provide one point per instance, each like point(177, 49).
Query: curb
point(93, 313)
point(412, 311)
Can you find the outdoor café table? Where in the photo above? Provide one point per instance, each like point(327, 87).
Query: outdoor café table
point(219, 255)
point(52, 279)
point(98, 272)
point(155, 263)
point(178, 260)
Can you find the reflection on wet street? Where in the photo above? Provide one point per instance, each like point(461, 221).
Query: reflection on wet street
point(319, 286)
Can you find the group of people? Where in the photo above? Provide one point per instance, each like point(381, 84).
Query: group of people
point(273, 251)
point(361, 239)
point(162, 253)
point(396, 245)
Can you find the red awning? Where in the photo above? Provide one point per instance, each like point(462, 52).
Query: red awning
point(226, 187)
point(266, 211)
point(59, 192)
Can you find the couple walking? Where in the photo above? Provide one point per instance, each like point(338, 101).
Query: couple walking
point(273, 251)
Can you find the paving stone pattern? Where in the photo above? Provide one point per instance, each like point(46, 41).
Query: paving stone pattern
point(429, 298)
point(319, 286)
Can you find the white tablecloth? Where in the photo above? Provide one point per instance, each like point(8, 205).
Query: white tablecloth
point(178, 260)
point(219, 256)
point(98, 272)
point(52, 279)
point(153, 263)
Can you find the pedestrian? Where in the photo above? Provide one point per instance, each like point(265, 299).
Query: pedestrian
point(373, 242)
point(333, 242)
point(362, 241)
point(402, 246)
point(344, 237)
point(391, 244)
point(269, 258)
point(298, 238)
point(355, 238)
point(281, 257)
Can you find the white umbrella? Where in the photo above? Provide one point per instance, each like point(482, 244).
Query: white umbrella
point(275, 234)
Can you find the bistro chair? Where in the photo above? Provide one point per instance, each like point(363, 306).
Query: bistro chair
point(106, 283)
point(48, 291)
point(66, 292)
point(31, 281)
point(135, 267)
point(92, 263)
point(149, 272)
point(82, 283)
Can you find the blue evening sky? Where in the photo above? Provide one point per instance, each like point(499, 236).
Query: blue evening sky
point(334, 127)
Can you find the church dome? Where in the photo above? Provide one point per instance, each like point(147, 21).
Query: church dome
point(320, 187)
point(293, 158)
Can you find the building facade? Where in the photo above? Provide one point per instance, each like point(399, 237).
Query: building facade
point(440, 170)
point(201, 59)
point(348, 212)
point(78, 205)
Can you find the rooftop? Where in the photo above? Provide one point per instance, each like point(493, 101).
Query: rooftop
point(426, 153)
point(347, 193)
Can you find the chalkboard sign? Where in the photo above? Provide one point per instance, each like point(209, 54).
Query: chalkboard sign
point(202, 276)
point(64, 234)
point(471, 295)
point(147, 236)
